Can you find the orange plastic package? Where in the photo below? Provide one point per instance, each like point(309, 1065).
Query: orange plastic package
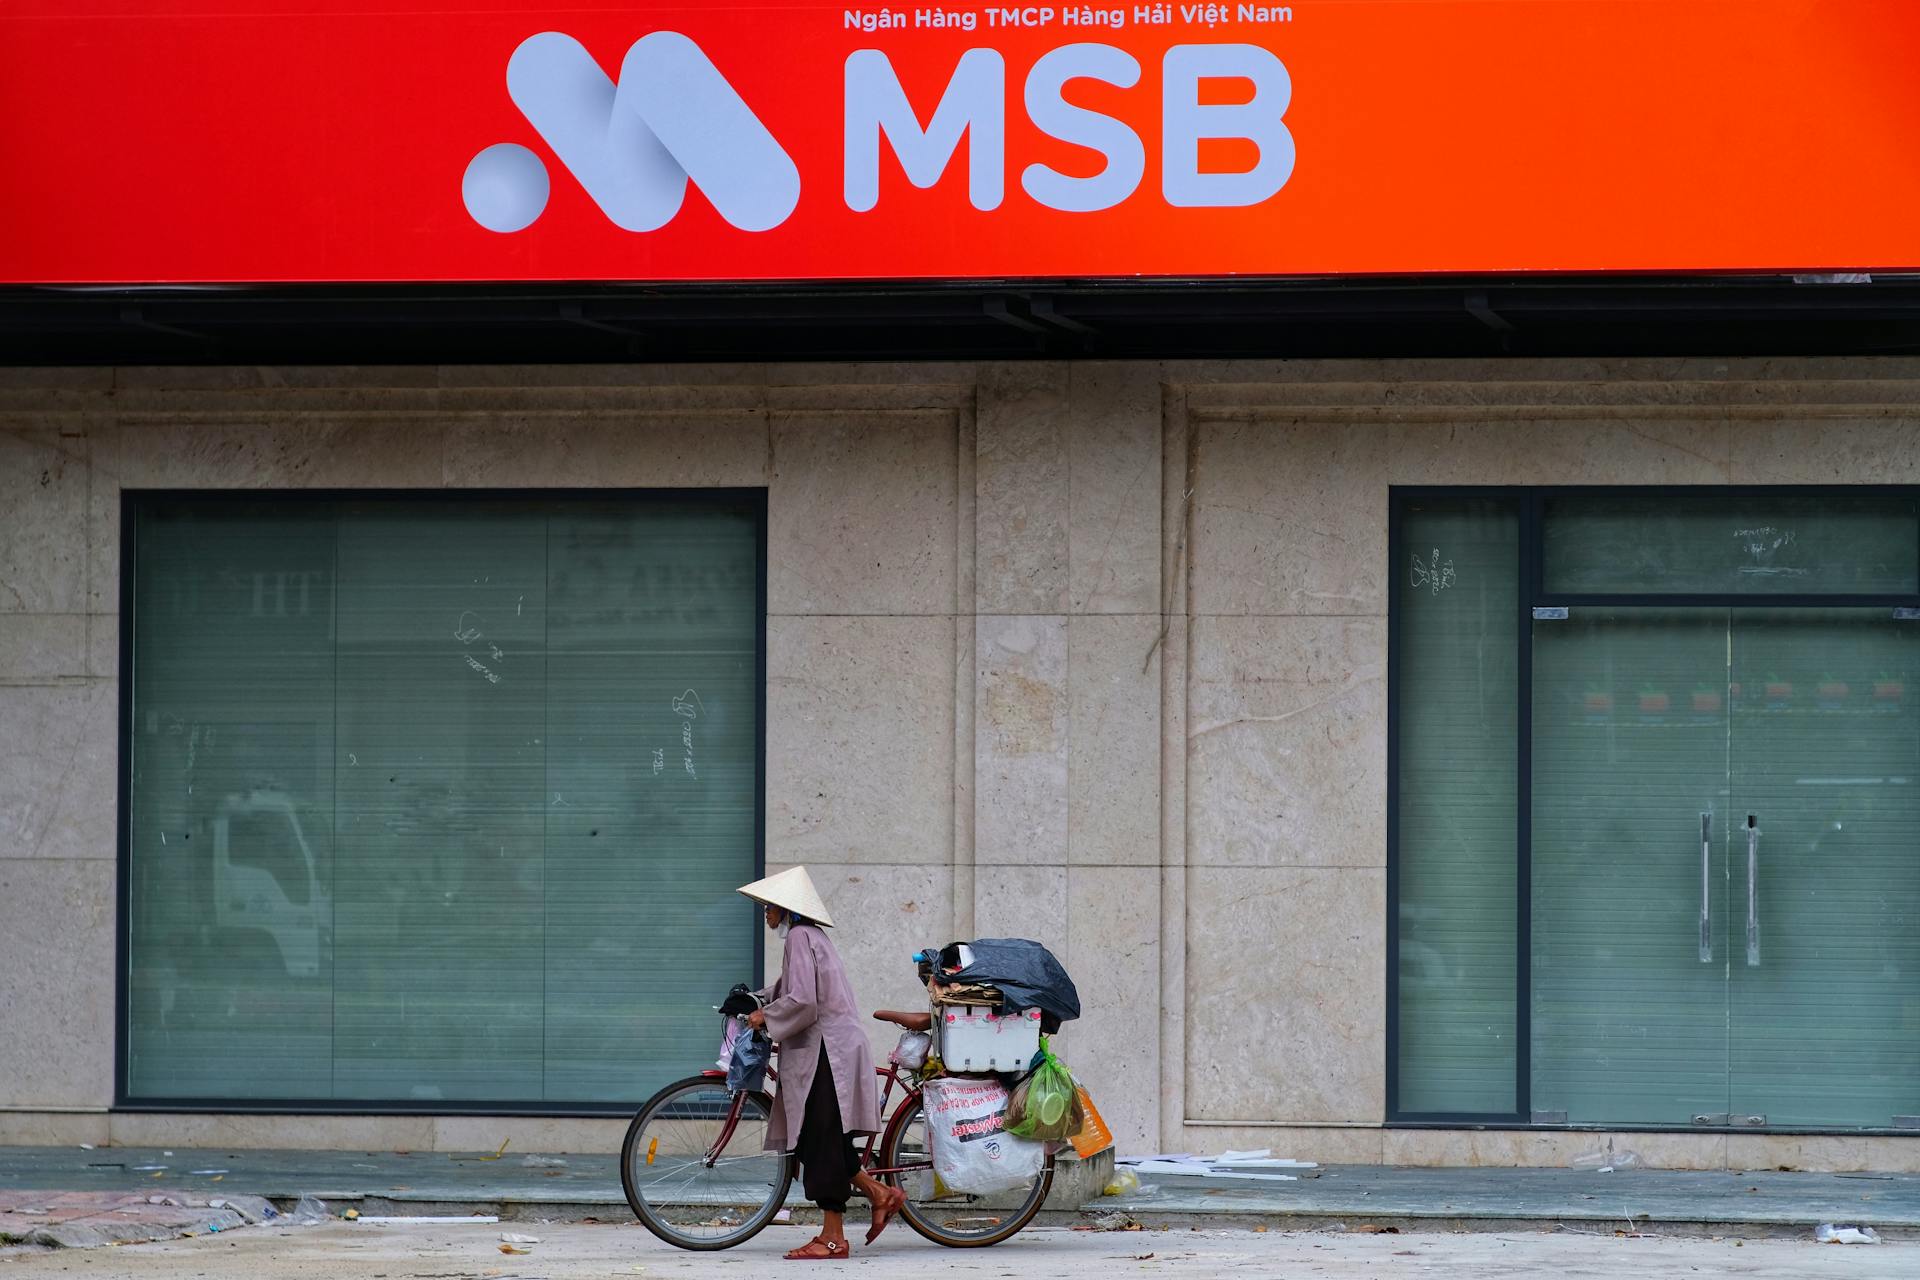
point(1094, 1137)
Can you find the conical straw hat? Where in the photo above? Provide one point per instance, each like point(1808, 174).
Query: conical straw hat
point(792, 890)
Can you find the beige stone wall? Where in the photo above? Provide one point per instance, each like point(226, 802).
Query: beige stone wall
point(1093, 653)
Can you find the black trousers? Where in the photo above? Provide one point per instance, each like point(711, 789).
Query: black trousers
point(827, 1158)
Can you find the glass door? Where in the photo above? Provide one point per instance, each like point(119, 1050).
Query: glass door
point(1824, 916)
point(1726, 868)
point(1630, 866)
point(1713, 901)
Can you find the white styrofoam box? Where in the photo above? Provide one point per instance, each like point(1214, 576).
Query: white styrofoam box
point(981, 1038)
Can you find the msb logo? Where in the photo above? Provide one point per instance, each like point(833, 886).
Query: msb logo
point(633, 146)
point(673, 119)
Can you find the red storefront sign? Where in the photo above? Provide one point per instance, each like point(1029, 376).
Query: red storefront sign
point(157, 141)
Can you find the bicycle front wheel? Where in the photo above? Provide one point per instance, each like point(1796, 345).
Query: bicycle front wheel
point(947, 1217)
point(694, 1168)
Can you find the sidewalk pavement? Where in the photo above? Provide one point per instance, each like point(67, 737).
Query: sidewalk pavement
point(519, 1186)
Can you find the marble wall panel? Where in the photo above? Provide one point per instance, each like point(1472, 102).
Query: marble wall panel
point(41, 647)
point(527, 1134)
point(1694, 449)
point(1823, 1153)
point(52, 1128)
point(1110, 943)
point(1289, 517)
point(1826, 451)
point(1114, 472)
point(1021, 727)
point(1022, 902)
point(276, 452)
point(860, 740)
point(591, 450)
point(1022, 489)
point(274, 1133)
point(103, 520)
point(862, 513)
point(1557, 1149)
point(1292, 960)
point(1287, 732)
point(58, 793)
point(1113, 746)
point(56, 984)
point(43, 505)
point(103, 645)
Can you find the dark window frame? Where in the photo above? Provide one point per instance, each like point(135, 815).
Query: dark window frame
point(1530, 501)
point(133, 503)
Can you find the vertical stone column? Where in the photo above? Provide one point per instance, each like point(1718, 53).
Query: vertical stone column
point(1067, 705)
point(864, 513)
point(1021, 594)
point(1285, 760)
point(58, 712)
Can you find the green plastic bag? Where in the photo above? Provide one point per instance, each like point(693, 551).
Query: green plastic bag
point(1045, 1107)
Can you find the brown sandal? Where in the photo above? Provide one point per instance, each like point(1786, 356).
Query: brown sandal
point(883, 1213)
point(817, 1250)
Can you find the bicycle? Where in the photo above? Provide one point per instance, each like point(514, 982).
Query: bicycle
point(695, 1174)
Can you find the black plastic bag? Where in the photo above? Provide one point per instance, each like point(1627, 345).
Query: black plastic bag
point(1026, 974)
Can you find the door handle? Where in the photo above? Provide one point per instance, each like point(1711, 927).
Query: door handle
point(1753, 892)
point(1706, 887)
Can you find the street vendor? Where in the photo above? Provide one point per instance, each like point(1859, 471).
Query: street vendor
point(827, 1081)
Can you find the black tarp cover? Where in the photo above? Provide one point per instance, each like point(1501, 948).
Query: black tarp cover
point(1026, 973)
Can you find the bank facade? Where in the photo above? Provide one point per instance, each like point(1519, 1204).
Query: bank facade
point(1374, 740)
point(1385, 534)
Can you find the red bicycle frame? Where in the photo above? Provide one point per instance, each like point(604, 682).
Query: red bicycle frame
point(890, 1073)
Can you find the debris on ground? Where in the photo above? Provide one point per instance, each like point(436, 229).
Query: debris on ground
point(1606, 1160)
point(90, 1219)
point(309, 1212)
point(1257, 1165)
point(1827, 1233)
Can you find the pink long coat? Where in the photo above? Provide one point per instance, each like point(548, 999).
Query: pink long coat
point(811, 1004)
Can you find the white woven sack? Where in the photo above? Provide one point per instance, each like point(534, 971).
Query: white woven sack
point(965, 1116)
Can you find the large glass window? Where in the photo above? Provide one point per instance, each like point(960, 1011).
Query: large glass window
point(1455, 656)
point(437, 801)
point(1657, 791)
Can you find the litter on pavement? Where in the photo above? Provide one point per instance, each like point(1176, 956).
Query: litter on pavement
point(1260, 1165)
point(1827, 1233)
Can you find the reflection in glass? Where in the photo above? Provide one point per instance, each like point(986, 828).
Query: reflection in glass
point(1629, 750)
point(1738, 544)
point(403, 825)
point(1457, 648)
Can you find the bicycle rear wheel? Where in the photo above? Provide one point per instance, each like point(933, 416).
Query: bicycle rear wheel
point(689, 1187)
point(946, 1217)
